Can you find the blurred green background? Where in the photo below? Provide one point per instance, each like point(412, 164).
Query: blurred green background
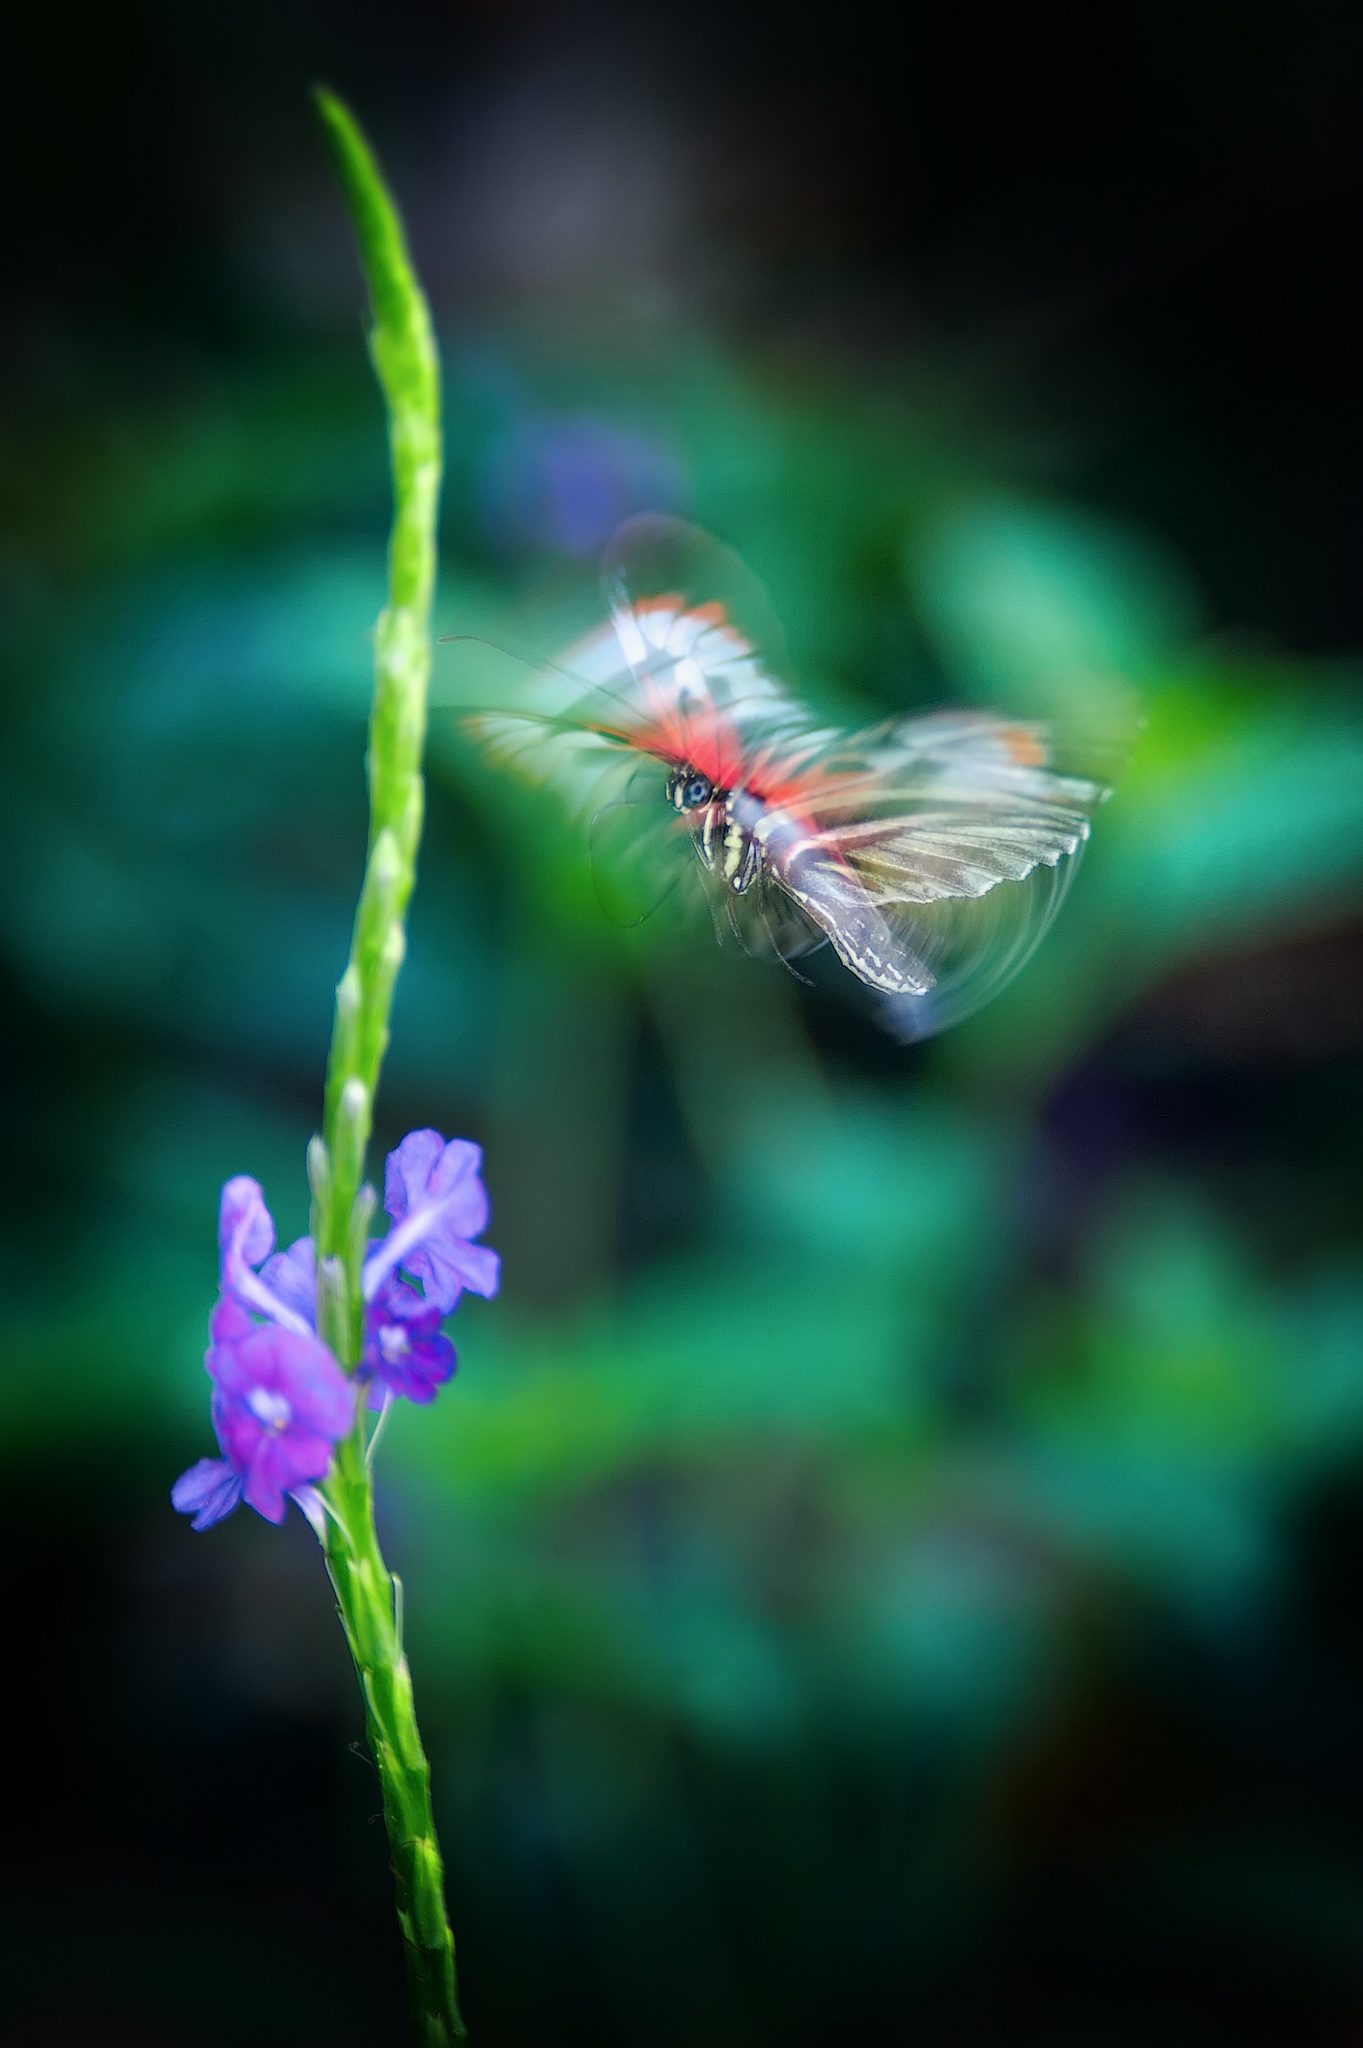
point(886, 1568)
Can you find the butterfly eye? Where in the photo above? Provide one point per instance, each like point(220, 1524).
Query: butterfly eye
point(688, 789)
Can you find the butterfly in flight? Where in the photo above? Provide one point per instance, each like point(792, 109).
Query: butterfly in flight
point(930, 853)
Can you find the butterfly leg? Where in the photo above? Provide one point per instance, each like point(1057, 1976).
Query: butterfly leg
point(774, 939)
point(730, 906)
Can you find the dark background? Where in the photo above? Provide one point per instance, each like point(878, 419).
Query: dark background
point(887, 1569)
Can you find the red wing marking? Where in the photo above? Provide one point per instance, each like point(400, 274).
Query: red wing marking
point(785, 781)
point(1024, 746)
point(695, 734)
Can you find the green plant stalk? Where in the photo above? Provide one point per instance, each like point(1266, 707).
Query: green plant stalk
point(369, 1598)
point(371, 1614)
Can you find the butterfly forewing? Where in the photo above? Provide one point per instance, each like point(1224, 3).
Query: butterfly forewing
point(587, 767)
point(678, 674)
point(677, 597)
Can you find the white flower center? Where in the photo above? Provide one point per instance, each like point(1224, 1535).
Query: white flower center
point(270, 1408)
point(393, 1344)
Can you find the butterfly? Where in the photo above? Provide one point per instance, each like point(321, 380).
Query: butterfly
point(930, 853)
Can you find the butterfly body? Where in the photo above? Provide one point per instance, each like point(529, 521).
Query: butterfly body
point(722, 825)
point(931, 853)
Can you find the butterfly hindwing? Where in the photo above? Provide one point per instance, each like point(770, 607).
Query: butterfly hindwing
point(898, 834)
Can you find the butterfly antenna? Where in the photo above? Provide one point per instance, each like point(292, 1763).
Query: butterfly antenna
point(537, 665)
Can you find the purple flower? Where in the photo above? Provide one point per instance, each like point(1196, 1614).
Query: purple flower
point(281, 1401)
point(280, 1404)
point(405, 1351)
point(434, 1193)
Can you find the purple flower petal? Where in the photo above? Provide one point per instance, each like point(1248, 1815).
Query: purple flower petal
point(229, 1322)
point(405, 1350)
point(246, 1238)
point(323, 1403)
point(472, 1267)
point(425, 1169)
point(208, 1491)
point(310, 1501)
point(270, 1475)
point(278, 1466)
point(291, 1277)
point(245, 1225)
point(434, 1193)
point(230, 1374)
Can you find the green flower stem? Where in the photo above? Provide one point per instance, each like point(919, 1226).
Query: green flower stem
point(371, 1612)
point(404, 354)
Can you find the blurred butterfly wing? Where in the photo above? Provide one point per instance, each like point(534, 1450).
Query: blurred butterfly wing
point(588, 767)
point(766, 920)
point(678, 596)
point(832, 898)
point(701, 642)
point(974, 946)
point(924, 856)
point(637, 848)
point(951, 759)
point(935, 956)
point(934, 854)
point(638, 852)
point(675, 674)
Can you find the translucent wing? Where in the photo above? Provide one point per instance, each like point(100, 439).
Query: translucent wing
point(933, 854)
point(590, 767)
point(694, 625)
point(974, 948)
point(936, 962)
point(765, 920)
point(680, 672)
point(638, 851)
